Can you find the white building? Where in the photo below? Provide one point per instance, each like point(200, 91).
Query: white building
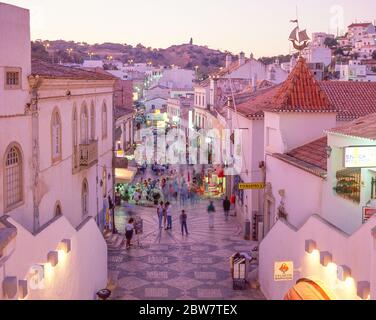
point(56, 146)
point(329, 231)
point(320, 54)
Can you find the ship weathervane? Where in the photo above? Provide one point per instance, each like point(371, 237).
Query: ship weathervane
point(299, 39)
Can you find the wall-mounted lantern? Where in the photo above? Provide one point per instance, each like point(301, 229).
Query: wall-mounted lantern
point(65, 245)
point(53, 258)
point(310, 246)
point(22, 289)
point(325, 258)
point(343, 273)
point(363, 289)
point(10, 285)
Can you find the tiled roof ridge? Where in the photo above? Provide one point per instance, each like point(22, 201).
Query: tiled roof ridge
point(301, 92)
point(49, 70)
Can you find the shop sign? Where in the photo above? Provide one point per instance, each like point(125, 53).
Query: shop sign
point(360, 157)
point(368, 213)
point(251, 186)
point(284, 271)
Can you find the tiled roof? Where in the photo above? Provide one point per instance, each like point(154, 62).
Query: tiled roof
point(301, 92)
point(363, 24)
point(313, 153)
point(351, 99)
point(203, 83)
point(311, 157)
point(56, 71)
point(253, 104)
point(364, 127)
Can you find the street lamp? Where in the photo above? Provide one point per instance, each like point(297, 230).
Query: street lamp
point(91, 54)
point(69, 51)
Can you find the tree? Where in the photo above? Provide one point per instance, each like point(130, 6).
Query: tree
point(191, 41)
point(331, 42)
point(338, 52)
point(374, 55)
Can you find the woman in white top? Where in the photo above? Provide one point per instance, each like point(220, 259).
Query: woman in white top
point(129, 229)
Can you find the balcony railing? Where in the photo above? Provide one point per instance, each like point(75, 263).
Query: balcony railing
point(88, 154)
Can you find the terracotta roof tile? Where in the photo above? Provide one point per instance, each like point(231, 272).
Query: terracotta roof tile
point(301, 92)
point(313, 153)
point(364, 127)
point(351, 99)
point(56, 71)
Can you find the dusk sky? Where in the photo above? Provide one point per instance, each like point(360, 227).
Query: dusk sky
point(261, 27)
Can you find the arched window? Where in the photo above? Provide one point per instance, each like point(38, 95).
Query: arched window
point(85, 198)
point(74, 127)
point(92, 121)
point(58, 212)
point(56, 135)
point(13, 177)
point(104, 120)
point(76, 161)
point(84, 124)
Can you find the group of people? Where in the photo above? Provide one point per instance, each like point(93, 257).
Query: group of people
point(165, 218)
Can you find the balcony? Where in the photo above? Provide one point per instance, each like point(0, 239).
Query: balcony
point(88, 154)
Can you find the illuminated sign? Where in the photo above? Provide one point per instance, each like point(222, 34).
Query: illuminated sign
point(251, 186)
point(360, 157)
point(284, 271)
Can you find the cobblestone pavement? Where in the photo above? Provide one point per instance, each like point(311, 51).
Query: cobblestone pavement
point(170, 266)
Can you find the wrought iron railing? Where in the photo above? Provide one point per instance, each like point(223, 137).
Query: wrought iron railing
point(88, 154)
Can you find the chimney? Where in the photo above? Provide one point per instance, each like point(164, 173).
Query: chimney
point(228, 60)
point(213, 93)
point(241, 58)
point(254, 82)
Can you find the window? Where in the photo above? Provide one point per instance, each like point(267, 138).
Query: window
point(92, 121)
point(76, 161)
point(104, 120)
point(58, 212)
point(85, 198)
point(349, 184)
point(12, 78)
point(56, 136)
point(13, 178)
point(84, 124)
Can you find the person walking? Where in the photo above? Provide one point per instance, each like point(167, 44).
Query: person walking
point(129, 229)
point(226, 207)
point(211, 211)
point(183, 222)
point(160, 211)
point(233, 201)
point(169, 216)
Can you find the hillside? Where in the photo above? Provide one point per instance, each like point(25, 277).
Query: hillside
point(185, 55)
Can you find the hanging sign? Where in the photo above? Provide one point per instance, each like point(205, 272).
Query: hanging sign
point(251, 186)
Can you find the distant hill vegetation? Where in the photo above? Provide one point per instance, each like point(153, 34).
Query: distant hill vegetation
point(185, 55)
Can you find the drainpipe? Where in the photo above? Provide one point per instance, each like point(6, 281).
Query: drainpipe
point(35, 83)
point(113, 162)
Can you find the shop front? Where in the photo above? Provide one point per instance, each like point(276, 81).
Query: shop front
point(214, 183)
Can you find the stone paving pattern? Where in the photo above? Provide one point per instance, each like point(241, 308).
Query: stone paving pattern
point(172, 267)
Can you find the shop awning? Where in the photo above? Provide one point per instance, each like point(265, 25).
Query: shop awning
point(118, 133)
point(125, 175)
point(306, 289)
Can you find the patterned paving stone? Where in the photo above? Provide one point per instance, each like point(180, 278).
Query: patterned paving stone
point(131, 283)
point(183, 283)
point(209, 293)
point(169, 266)
point(205, 275)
